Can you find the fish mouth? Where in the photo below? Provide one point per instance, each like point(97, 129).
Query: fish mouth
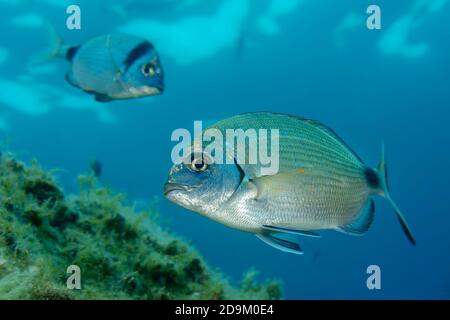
point(157, 88)
point(160, 88)
point(170, 187)
point(147, 91)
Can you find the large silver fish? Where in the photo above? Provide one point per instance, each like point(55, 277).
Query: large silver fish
point(321, 184)
point(112, 66)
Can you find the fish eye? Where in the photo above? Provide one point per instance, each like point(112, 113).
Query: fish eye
point(199, 164)
point(148, 69)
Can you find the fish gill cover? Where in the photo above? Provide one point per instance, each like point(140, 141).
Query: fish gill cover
point(123, 253)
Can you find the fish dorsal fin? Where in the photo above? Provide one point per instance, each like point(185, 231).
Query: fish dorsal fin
point(329, 132)
point(301, 142)
point(362, 222)
point(316, 124)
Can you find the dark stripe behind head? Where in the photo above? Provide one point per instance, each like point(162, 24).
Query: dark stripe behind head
point(137, 52)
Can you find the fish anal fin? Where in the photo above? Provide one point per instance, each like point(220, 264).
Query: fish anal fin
point(102, 98)
point(99, 97)
point(362, 222)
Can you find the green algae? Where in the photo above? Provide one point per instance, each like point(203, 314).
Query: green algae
point(123, 253)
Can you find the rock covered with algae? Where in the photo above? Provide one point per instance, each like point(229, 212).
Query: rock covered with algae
point(123, 253)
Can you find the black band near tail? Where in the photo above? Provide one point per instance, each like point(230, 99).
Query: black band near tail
point(372, 178)
point(71, 52)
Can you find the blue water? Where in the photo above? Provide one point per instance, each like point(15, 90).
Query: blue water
point(307, 63)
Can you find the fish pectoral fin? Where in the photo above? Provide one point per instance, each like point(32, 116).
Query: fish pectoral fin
point(280, 182)
point(362, 222)
point(102, 98)
point(282, 241)
point(291, 231)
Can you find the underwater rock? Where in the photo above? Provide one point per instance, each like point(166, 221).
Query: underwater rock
point(43, 191)
point(122, 253)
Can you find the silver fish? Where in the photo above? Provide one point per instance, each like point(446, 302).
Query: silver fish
point(321, 184)
point(112, 66)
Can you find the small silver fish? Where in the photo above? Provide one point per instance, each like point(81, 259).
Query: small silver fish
point(112, 66)
point(321, 184)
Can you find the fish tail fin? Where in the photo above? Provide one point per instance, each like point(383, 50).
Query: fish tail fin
point(381, 187)
point(56, 47)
